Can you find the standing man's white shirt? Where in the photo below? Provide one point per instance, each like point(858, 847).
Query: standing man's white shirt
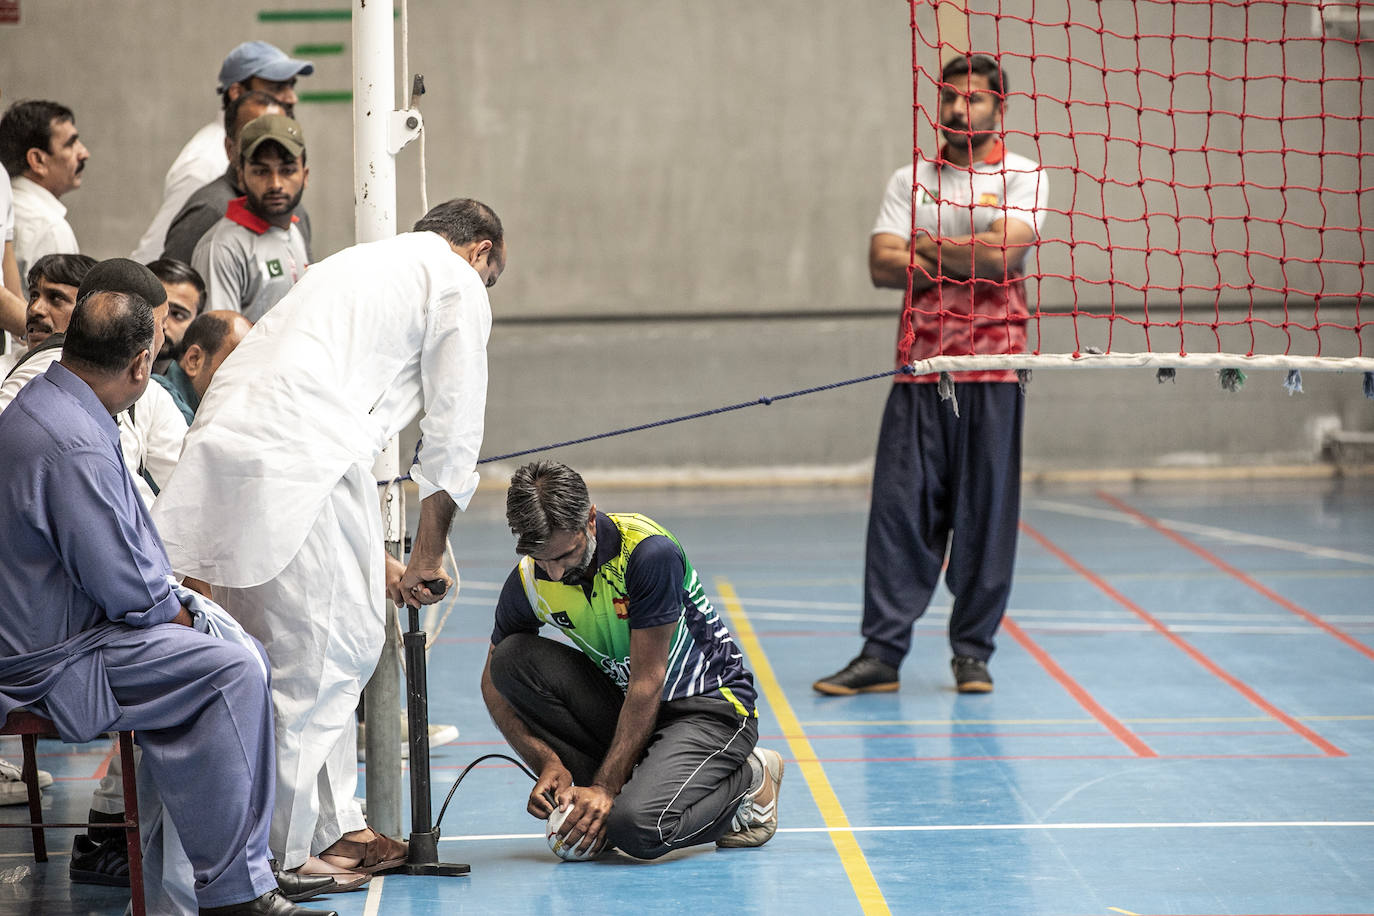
point(200, 162)
point(40, 225)
point(364, 342)
point(280, 457)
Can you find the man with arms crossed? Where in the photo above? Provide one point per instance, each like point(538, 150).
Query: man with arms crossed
point(947, 476)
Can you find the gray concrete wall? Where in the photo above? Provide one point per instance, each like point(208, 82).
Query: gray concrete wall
point(657, 164)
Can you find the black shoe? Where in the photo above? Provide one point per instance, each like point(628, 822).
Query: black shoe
point(104, 863)
point(297, 887)
point(971, 675)
point(862, 675)
point(271, 903)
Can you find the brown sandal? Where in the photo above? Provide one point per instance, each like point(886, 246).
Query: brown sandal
point(377, 854)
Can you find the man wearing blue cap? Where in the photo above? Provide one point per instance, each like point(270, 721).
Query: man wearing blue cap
point(254, 66)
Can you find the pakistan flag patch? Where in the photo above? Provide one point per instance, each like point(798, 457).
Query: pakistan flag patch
point(274, 268)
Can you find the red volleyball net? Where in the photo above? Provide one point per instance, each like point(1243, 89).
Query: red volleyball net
point(1208, 178)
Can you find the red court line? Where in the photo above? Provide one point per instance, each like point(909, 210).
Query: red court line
point(1014, 757)
point(1230, 570)
point(1075, 690)
point(1196, 654)
point(1092, 734)
point(104, 766)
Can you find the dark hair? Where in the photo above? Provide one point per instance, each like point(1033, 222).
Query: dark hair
point(231, 110)
point(979, 65)
point(67, 269)
point(28, 125)
point(463, 221)
point(170, 270)
point(208, 330)
point(545, 497)
point(107, 330)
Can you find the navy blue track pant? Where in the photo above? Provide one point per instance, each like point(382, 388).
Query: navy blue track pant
point(943, 481)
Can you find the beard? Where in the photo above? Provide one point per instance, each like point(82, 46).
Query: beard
point(582, 572)
point(960, 136)
point(275, 206)
point(171, 349)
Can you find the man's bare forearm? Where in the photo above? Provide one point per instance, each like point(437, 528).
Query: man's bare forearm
point(984, 256)
point(431, 534)
point(889, 271)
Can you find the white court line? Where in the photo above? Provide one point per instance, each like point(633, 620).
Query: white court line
point(1221, 534)
point(373, 905)
point(944, 828)
point(941, 611)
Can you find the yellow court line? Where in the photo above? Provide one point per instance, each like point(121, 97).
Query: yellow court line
point(1117, 909)
point(871, 898)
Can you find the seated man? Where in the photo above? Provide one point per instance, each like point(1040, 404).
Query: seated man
point(209, 339)
point(151, 430)
point(185, 300)
point(92, 633)
point(53, 281)
point(646, 737)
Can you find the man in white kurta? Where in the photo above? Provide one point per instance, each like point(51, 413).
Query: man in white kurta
point(274, 503)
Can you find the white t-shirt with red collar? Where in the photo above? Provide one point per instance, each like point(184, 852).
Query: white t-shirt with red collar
point(249, 264)
point(954, 318)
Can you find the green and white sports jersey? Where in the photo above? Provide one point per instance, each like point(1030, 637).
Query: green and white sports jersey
point(642, 579)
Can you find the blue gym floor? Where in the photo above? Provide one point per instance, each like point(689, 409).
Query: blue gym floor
point(1183, 722)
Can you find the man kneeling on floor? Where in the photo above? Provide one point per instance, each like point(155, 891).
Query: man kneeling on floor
point(93, 631)
point(646, 737)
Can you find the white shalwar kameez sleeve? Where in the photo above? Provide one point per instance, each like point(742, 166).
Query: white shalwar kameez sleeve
point(274, 502)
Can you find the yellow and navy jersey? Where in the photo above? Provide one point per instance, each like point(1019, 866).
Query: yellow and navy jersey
point(642, 579)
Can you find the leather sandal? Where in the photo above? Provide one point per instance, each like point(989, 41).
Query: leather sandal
point(345, 879)
point(377, 854)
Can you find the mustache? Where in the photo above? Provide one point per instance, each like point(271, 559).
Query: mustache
point(81, 166)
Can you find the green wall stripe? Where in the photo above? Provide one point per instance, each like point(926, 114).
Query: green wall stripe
point(343, 15)
point(327, 97)
point(317, 50)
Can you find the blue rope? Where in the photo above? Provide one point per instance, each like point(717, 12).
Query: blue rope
point(766, 400)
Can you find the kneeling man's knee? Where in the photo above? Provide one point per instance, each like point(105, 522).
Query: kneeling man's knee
point(636, 832)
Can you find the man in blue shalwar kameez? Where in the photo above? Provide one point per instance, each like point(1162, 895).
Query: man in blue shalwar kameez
point(92, 633)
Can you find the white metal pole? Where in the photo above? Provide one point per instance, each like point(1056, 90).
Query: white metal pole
point(374, 217)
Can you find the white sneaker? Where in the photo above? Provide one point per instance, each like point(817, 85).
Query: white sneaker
point(756, 819)
point(12, 788)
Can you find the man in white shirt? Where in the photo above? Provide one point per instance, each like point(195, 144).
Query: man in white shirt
point(368, 340)
point(252, 66)
point(955, 228)
point(253, 256)
point(44, 157)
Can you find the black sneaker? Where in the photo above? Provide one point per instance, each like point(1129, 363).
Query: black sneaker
point(862, 675)
point(104, 863)
point(971, 675)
